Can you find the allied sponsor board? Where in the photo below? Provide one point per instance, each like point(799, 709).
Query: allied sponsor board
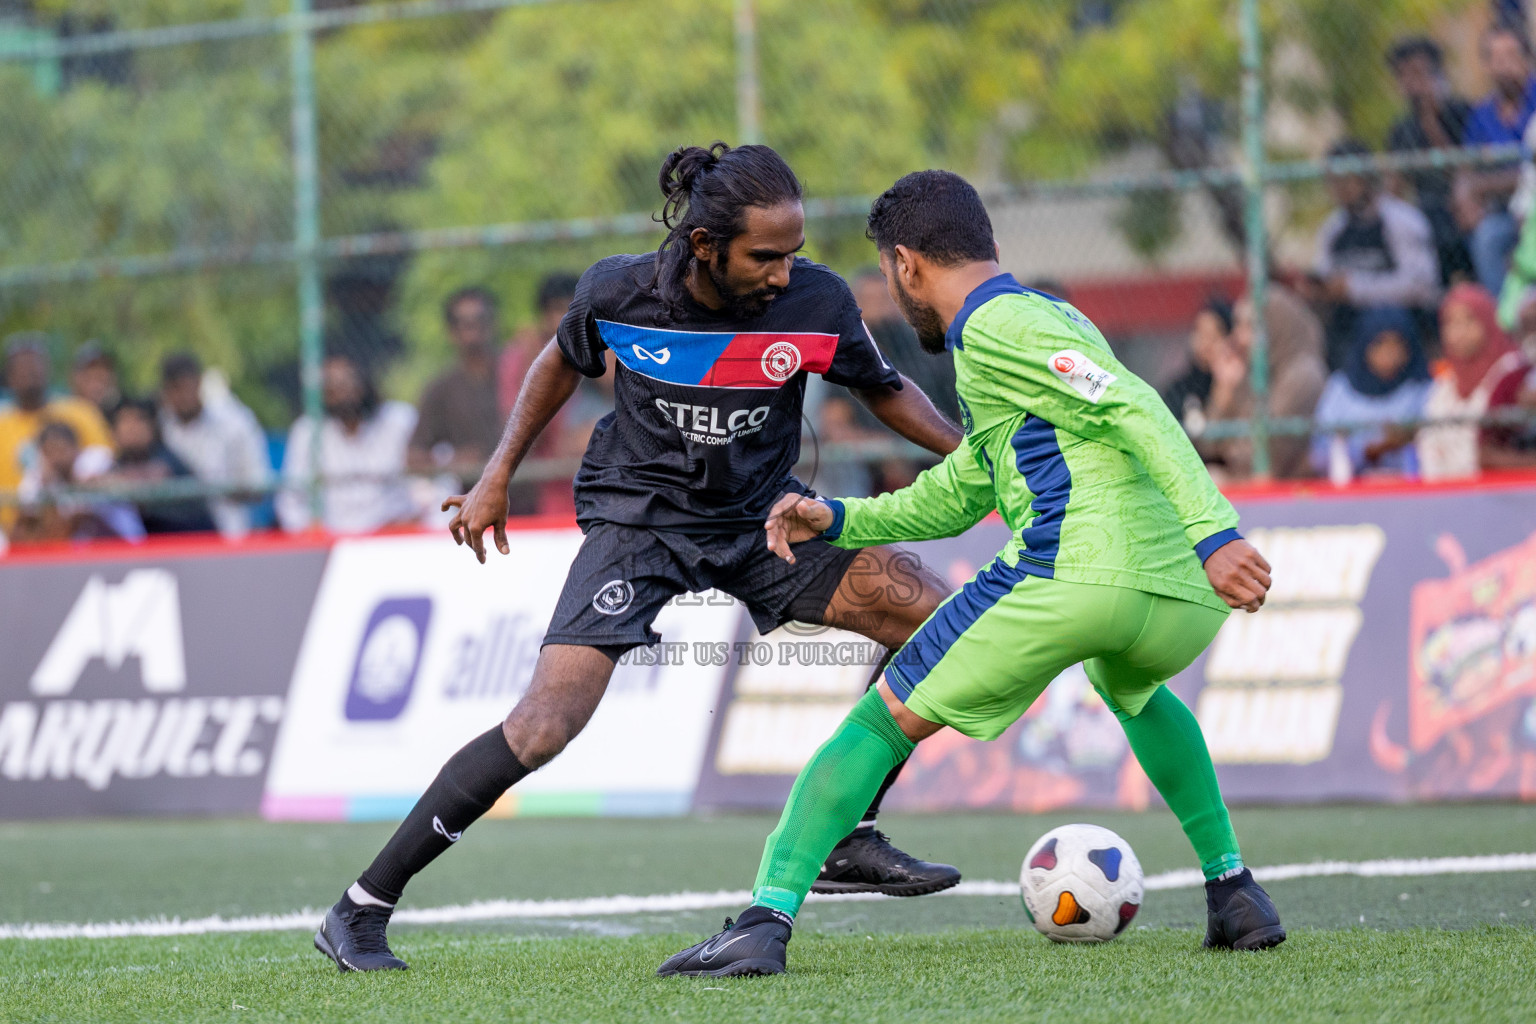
point(414, 649)
point(146, 685)
point(1394, 660)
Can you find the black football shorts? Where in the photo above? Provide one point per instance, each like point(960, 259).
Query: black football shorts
point(623, 575)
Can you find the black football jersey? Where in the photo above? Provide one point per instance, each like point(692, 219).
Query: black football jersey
point(706, 423)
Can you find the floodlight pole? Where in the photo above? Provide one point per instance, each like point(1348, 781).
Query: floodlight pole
point(306, 235)
point(749, 126)
point(1255, 175)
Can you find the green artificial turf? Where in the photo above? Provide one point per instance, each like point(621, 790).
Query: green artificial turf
point(1481, 974)
point(1437, 947)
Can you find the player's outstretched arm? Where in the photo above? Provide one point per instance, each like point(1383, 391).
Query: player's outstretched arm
point(909, 412)
point(944, 500)
point(550, 383)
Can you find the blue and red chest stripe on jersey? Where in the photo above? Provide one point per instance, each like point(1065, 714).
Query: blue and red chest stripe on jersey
point(715, 359)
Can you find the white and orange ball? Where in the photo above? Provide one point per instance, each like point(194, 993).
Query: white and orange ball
point(1081, 883)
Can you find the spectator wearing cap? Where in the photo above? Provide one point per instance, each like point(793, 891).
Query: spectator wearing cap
point(1436, 119)
point(361, 447)
point(1189, 393)
point(551, 301)
point(1374, 250)
point(93, 377)
point(1483, 196)
point(27, 368)
point(460, 421)
point(144, 460)
point(1382, 386)
point(219, 439)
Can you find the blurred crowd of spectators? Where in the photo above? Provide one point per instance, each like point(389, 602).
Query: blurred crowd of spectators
point(73, 460)
point(1415, 321)
point(1416, 307)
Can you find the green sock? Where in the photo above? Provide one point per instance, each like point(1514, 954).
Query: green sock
point(1171, 748)
point(833, 790)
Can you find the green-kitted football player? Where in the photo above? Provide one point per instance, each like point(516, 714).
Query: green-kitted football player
point(1124, 556)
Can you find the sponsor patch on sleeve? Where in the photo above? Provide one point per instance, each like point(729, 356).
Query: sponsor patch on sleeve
point(1081, 374)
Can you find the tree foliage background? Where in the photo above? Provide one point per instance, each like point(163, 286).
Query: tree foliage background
point(564, 110)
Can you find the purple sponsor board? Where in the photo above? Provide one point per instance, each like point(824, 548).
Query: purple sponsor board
point(147, 684)
point(1394, 661)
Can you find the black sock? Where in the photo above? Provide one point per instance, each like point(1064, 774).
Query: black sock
point(1218, 892)
point(890, 780)
point(466, 787)
point(757, 914)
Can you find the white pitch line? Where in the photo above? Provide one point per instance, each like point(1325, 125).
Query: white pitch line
point(676, 902)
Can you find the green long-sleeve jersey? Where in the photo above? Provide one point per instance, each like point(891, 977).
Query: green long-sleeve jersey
point(1094, 477)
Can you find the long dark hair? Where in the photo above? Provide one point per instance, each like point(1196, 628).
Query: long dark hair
point(710, 189)
point(370, 400)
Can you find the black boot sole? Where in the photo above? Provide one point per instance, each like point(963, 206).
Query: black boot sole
point(1267, 937)
point(1264, 938)
point(323, 944)
point(755, 968)
point(907, 889)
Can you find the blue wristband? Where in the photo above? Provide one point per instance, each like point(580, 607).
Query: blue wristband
point(836, 529)
point(1208, 547)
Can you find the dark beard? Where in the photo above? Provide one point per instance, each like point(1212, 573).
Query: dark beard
point(347, 412)
point(135, 456)
point(925, 320)
point(739, 305)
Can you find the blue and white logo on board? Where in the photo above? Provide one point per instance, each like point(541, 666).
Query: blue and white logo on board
point(388, 658)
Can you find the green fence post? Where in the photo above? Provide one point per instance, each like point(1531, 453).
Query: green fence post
point(306, 233)
point(1255, 175)
point(749, 127)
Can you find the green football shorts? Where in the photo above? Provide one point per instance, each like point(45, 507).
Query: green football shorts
point(989, 650)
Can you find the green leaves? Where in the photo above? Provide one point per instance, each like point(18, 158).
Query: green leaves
point(563, 110)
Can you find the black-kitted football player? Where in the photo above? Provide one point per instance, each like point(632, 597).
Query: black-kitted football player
point(715, 334)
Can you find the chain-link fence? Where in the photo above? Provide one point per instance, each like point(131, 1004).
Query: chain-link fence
point(259, 180)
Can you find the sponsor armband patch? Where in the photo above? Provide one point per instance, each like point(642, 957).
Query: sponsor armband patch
point(1081, 374)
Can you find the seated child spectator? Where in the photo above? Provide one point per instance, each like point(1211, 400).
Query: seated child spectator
point(47, 514)
point(142, 459)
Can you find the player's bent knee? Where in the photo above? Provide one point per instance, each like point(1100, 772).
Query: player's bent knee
point(915, 727)
point(537, 739)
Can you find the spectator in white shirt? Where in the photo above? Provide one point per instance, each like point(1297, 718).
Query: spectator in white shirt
point(1374, 250)
point(220, 440)
point(362, 449)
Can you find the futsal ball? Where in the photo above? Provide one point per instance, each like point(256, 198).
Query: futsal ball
point(1080, 883)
